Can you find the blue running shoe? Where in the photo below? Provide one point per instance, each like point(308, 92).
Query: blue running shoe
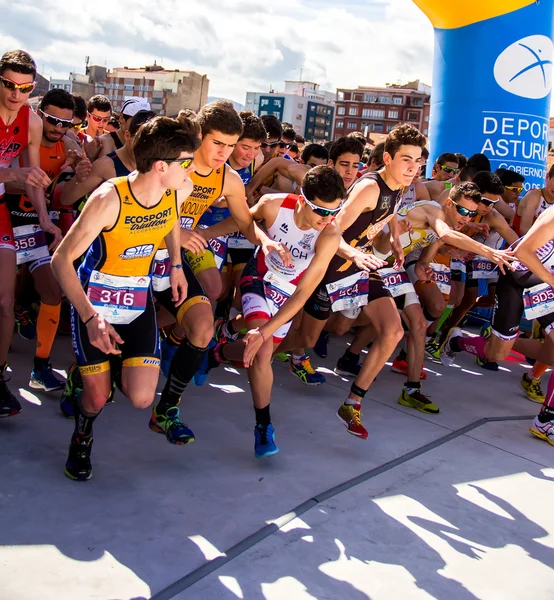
point(168, 352)
point(24, 322)
point(305, 372)
point(201, 375)
point(485, 331)
point(170, 424)
point(44, 379)
point(264, 441)
point(321, 346)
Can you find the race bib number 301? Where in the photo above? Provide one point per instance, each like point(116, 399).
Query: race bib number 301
point(120, 300)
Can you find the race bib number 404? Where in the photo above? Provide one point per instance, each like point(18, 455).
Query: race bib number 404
point(120, 300)
point(350, 292)
point(30, 243)
point(538, 301)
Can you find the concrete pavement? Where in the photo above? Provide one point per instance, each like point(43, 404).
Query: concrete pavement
point(463, 516)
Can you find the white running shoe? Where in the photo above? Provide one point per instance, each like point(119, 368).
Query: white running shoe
point(544, 431)
point(447, 354)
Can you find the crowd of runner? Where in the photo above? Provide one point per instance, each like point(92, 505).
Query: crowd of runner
point(178, 244)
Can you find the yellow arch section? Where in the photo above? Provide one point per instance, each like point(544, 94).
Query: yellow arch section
point(459, 13)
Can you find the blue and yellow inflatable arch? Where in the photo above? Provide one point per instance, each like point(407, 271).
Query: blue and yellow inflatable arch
point(492, 79)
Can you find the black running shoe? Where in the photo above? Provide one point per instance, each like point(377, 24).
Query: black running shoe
point(348, 368)
point(9, 404)
point(78, 466)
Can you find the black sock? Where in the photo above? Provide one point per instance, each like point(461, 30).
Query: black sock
point(263, 419)
point(454, 346)
point(402, 354)
point(412, 385)
point(83, 421)
point(39, 363)
point(3, 368)
point(223, 308)
point(546, 414)
point(116, 367)
point(184, 365)
point(350, 356)
point(230, 327)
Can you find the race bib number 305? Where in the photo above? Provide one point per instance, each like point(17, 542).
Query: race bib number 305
point(350, 292)
point(120, 300)
point(538, 301)
point(30, 243)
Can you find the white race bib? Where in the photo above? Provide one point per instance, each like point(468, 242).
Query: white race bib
point(482, 268)
point(161, 271)
point(237, 240)
point(397, 282)
point(458, 265)
point(277, 291)
point(120, 300)
point(350, 292)
point(538, 301)
point(442, 277)
point(30, 243)
point(218, 246)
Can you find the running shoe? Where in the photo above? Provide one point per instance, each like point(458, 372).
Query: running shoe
point(348, 368)
point(25, 326)
point(264, 441)
point(9, 404)
point(305, 372)
point(78, 466)
point(44, 379)
point(73, 389)
point(486, 331)
point(400, 365)
point(282, 357)
point(168, 352)
point(544, 431)
point(321, 346)
point(447, 355)
point(199, 378)
point(351, 418)
point(219, 335)
point(532, 388)
point(485, 363)
point(176, 432)
point(418, 401)
point(433, 349)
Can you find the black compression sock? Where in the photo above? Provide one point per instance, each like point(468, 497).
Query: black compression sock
point(402, 354)
point(546, 414)
point(83, 420)
point(262, 416)
point(350, 356)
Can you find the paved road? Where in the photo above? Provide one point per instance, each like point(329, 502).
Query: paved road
point(446, 506)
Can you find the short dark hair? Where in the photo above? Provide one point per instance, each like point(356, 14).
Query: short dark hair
point(272, 126)
point(114, 120)
point(253, 127)
point(480, 161)
point(404, 134)
point(467, 189)
point(550, 173)
point(424, 153)
point(323, 183)
point(358, 135)
point(219, 116)
point(462, 160)
point(509, 177)
point(138, 119)
point(289, 133)
point(345, 145)
point(315, 151)
point(18, 61)
point(99, 102)
point(468, 173)
point(299, 139)
point(376, 155)
point(58, 98)
point(162, 137)
point(80, 107)
point(447, 157)
point(488, 183)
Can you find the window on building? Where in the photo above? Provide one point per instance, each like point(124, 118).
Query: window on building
point(263, 112)
point(300, 105)
point(378, 127)
point(390, 128)
point(358, 97)
point(312, 119)
point(397, 100)
point(425, 131)
point(299, 117)
point(278, 103)
point(340, 110)
point(417, 102)
point(67, 88)
point(427, 119)
point(351, 125)
point(340, 124)
point(412, 116)
point(393, 114)
point(277, 114)
point(264, 102)
point(373, 113)
point(384, 99)
point(340, 96)
point(353, 111)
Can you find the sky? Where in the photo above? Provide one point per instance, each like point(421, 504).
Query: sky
point(242, 45)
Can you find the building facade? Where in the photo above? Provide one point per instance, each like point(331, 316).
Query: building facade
point(308, 109)
point(378, 110)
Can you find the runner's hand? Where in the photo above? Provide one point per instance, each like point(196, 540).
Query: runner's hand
point(254, 341)
point(398, 254)
point(92, 148)
point(502, 258)
point(193, 241)
point(270, 245)
point(179, 286)
point(478, 228)
point(424, 271)
point(47, 226)
point(82, 169)
point(103, 336)
point(368, 262)
point(33, 176)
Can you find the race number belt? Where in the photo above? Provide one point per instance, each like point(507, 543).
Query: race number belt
point(161, 271)
point(396, 281)
point(442, 277)
point(30, 243)
point(538, 301)
point(277, 291)
point(350, 292)
point(218, 246)
point(481, 268)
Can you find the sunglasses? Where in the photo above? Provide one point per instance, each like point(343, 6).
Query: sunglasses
point(270, 145)
point(451, 170)
point(514, 188)
point(24, 88)
point(464, 212)
point(488, 202)
point(320, 212)
point(81, 125)
point(183, 162)
point(284, 145)
point(99, 119)
point(63, 123)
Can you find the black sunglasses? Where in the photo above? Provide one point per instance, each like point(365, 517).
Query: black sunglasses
point(463, 211)
point(81, 125)
point(270, 144)
point(64, 123)
point(487, 202)
point(318, 210)
point(284, 145)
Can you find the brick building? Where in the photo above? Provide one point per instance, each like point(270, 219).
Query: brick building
point(378, 110)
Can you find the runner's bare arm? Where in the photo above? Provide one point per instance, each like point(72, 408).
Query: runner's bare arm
point(108, 145)
point(102, 170)
point(498, 223)
point(539, 234)
point(530, 204)
point(100, 212)
point(287, 168)
point(435, 188)
point(421, 192)
point(363, 198)
point(505, 210)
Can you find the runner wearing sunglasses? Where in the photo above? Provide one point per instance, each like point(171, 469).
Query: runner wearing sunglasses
point(274, 290)
point(20, 137)
point(535, 202)
point(274, 131)
point(444, 174)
